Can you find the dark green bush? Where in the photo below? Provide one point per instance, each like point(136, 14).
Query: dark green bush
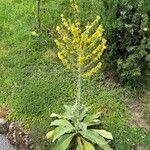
point(128, 33)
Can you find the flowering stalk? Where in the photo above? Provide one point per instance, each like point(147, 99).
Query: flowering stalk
point(78, 100)
point(80, 50)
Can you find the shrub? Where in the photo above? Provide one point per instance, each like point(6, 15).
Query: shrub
point(128, 26)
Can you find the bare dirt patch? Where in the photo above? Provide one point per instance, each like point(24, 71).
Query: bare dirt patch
point(138, 147)
point(3, 112)
point(136, 112)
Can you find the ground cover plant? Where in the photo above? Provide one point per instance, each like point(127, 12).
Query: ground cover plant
point(34, 83)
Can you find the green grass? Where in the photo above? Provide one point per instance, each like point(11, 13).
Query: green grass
point(33, 87)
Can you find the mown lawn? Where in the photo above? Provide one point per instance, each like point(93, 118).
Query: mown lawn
point(33, 82)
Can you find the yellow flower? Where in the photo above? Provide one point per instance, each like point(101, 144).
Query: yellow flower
point(58, 28)
point(64, 21)
point(74, 5)
point(98, 17)
point(81, 60)
point(34, 33)
point(61, 56)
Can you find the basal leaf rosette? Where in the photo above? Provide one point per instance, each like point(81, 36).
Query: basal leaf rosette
point(68, 128)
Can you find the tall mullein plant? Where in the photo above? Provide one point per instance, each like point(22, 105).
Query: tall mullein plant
point(79, 51)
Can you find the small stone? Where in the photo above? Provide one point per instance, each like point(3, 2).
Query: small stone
point(3, 126)
point(5, 144)
point(18, 137)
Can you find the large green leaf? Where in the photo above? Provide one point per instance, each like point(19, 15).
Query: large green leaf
point(94, 137)
point(105, 134)
point(87, 145)
point(61, 122)
point(64, 142)
point(59, 131)
point(79, 146)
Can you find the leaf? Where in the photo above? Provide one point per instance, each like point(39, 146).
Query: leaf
point(106, 147)
point(87, 145)
point(105, 134)
point(68, 108)
point(50, 134)
point(61, 122)
point(94, 137)
point(83, 112)
point(82, 126)
point(54, 115)
point(92, 119)
point(69, 114)
point(79, 146)
point(147, 58)
point(93, 123)
point(59, 131)
point(64, 142)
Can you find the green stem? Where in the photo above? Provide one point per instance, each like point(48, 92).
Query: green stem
point(78, 100)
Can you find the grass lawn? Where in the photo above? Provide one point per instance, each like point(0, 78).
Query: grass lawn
point(34, 83)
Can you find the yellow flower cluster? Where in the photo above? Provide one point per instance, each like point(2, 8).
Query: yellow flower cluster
point(76, 32)
point(74, 6)
point(62, 57)
point(64, 21)
point(78, 47)
point(96, 35)
point(93, 70)
point(81, 60)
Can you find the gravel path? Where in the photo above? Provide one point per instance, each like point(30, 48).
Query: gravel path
point(5, 144)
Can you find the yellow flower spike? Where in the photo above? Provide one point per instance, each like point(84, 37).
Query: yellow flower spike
point(93, 70)
point(61, 56)
point(104, 41)
point(96, 50)
point(74, 5)
point(93, 23)
point(78, 47)
point(65, 23)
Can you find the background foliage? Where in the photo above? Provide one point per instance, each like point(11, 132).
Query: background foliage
point(128, 27)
